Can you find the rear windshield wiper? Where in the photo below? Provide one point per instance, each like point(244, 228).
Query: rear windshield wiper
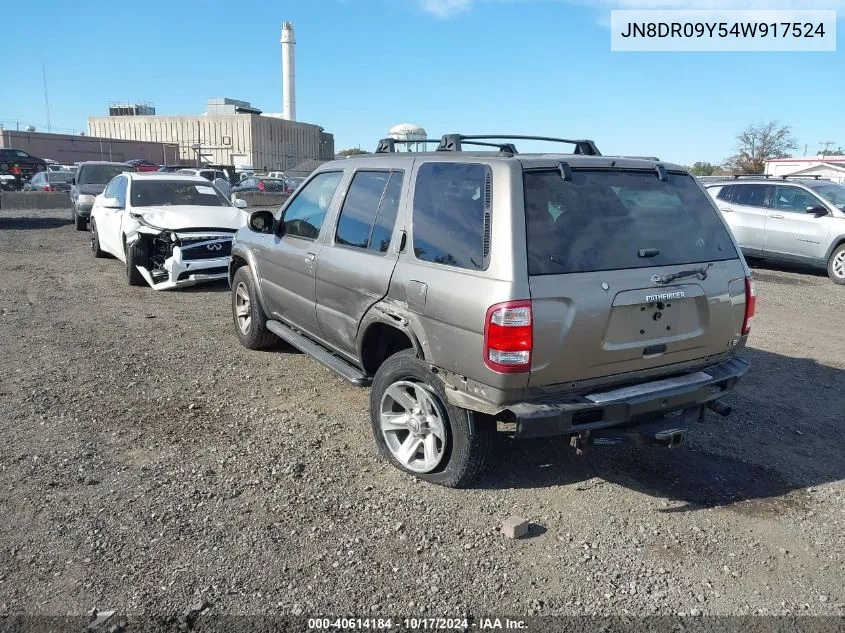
point(701, 273)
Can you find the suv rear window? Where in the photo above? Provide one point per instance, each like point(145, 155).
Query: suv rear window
point(600, 220)
point(448, 224)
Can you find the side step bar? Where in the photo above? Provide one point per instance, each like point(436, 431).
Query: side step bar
point(320, 354)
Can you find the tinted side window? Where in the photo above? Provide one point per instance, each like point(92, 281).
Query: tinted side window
point(725, 193)
point(360, 208)
point(110, 189)
point(305, 214)
point(448, 216)
point(387, 211)
point(794, 199)
point(120, 191)
point(751, 195)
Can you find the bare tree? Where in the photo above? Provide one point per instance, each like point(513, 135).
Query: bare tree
point(759, 143)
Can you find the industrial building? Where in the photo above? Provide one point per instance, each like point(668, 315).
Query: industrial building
point(230, 131)
point(72, 148)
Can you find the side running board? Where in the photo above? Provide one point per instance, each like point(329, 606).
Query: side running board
point(320, 354)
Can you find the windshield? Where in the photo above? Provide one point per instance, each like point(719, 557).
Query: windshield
point(100, 174)
point(59, 176)
point(273, 184)
point(155, 193)
point(833, 193)
point(603, 220)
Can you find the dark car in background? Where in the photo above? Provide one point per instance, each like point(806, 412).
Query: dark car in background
point(91, 178)
point(141, 164)
point(17, 167)
point(258, 184)
point(49, 181)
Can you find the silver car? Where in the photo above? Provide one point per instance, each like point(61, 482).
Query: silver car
point(791, 220)
point(597, 298)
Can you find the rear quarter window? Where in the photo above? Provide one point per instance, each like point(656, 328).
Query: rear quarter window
point(449, 215)
point(600, 220)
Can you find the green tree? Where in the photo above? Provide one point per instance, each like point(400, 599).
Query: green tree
point(702, 169)
point(831, 152)
point(758, 143)
point(352, 151)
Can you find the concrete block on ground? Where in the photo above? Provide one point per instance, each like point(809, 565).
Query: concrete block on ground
point(514, 527)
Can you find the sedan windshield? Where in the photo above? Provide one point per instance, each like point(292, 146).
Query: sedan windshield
point(100, 174)
point(155, 193)
point(833, 193)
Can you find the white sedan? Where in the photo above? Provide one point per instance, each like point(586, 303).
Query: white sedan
point(170, 230)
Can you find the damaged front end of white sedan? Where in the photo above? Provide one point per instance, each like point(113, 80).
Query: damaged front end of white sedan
point(177, 258)
point(170, 230)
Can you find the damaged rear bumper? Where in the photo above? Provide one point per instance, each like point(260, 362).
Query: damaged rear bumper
point(653, 403)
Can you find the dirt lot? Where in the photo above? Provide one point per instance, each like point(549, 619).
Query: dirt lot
point(149, 461)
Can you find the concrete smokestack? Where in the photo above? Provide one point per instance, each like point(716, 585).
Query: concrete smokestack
point(288, 72)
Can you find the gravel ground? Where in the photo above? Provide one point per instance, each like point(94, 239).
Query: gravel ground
point(149, 462)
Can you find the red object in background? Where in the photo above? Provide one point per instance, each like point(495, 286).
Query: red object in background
point(261, 185)
point(143, 165)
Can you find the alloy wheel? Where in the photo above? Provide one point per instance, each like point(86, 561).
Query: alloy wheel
point(413, 425)
point(242, 308)
point(839, 265)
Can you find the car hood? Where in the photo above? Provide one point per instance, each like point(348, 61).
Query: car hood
point(90, 189)
point(179, 217)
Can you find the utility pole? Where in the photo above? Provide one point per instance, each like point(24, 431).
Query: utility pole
point(46, 100)
point(826, 145)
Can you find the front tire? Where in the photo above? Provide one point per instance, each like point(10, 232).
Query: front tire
point(80, 222)
point(836, 265)
point(95, 242)
point(135, 254)
point(417, 429)
point(249, 317)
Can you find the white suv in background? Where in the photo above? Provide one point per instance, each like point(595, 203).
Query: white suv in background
point(785, 219)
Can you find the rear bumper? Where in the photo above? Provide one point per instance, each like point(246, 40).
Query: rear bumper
point(640, 404)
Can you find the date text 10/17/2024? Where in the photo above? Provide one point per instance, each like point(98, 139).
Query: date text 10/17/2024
point(416, 624)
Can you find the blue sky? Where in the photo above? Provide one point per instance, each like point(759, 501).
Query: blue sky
point(474, 66)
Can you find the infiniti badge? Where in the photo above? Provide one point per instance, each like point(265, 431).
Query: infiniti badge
point(214, 247)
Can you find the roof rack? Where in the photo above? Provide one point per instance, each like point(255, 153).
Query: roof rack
point(813, 176)
point(764, 176)
point(388, 145)
point(455, 143)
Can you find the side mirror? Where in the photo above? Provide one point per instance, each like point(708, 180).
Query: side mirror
point(240, 204)
point(817, 210)
point(262, 221)
point(111, 203)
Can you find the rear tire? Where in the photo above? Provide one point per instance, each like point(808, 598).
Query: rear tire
point(135, 254)
point(247, 313)
point(836, 265)
point(443, 444)
point(95, 242)
point(80, 222)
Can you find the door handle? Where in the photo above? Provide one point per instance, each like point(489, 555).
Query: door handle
point(726, 210)
point(310, 257)
point(776, 216)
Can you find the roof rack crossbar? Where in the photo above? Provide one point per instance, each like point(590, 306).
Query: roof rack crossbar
point(452, 142)
point(388, 145)
point(764, 176)
point(813, 176)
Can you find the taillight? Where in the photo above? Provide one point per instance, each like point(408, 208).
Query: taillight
point(509, 337)
point(750, 305)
